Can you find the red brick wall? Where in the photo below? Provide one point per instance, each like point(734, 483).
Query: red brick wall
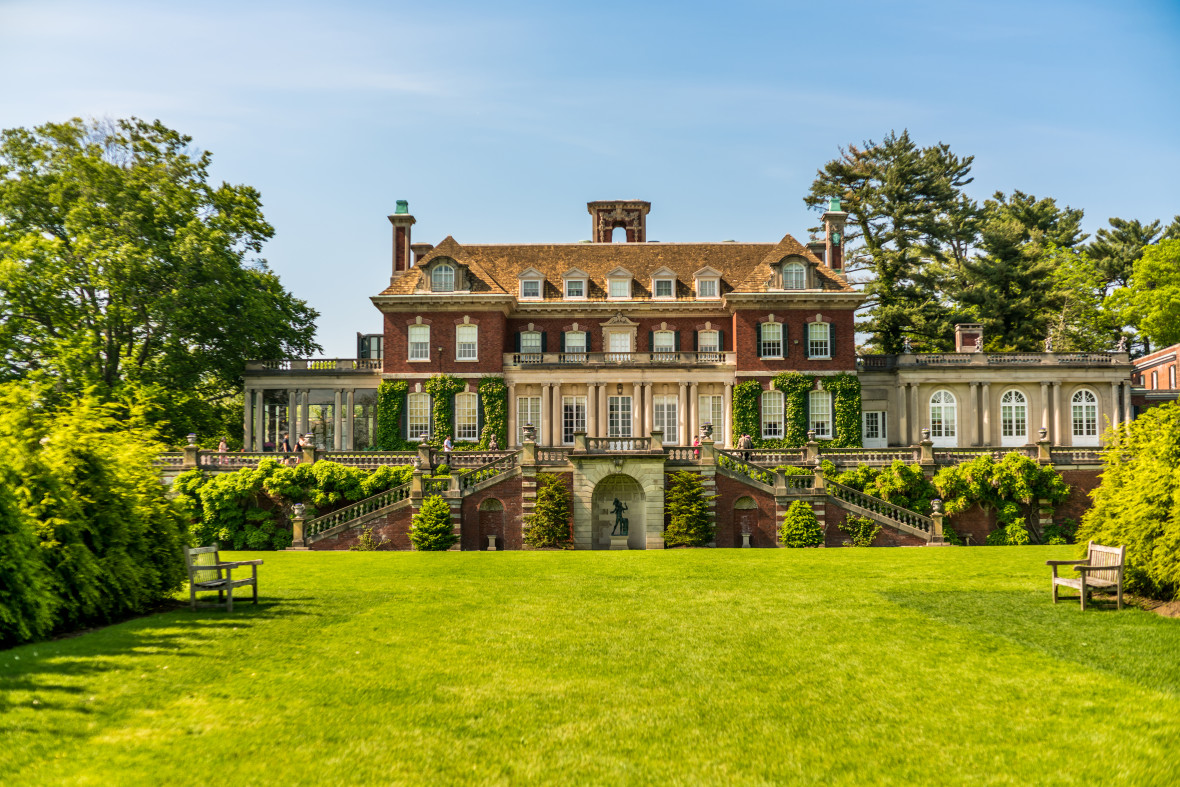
point(745, 333)
point(442, 334)
point(975, 521)
point(394, 526)
point(475, 522)
point(1081, 483)
point(764, 533)
point(834, 516)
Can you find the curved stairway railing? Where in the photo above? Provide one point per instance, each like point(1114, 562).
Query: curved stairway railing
point(881, 511)
point(492, 470)
point(734, 462)
point(358, 510)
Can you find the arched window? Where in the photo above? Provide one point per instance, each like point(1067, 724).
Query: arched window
point(794, 276)
point(417, 416)
point(442, 278)
point(1084, 417)
point(466, 417)
point(1013, 418)
point(664, 343)
point(943, 419)
point(772, 415)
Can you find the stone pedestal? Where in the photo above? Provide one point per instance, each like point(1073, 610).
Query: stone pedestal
point(619, 542)
point(745, 540)
point(491, 543)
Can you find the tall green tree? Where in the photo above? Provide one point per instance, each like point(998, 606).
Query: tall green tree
point(125, 271)
point(910, 225)
point(1009, 283)
point(1115, 250)
point(1082, 321)
point(1152, 301)
point(690, 522)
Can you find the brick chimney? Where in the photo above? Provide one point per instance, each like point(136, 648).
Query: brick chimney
point(402, 221)
point(629, 214)
point(834, 219)
point(968, 337)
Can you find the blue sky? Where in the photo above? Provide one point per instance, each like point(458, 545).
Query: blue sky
point(498, 122)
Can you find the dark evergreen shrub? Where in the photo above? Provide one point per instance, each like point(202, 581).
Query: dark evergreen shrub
point(690, 523)
point(549, 526)
point(432, 529)
point(799, 528)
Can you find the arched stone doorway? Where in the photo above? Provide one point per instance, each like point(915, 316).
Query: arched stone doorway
point(745, 520)
point(629, 494)
point(491, 523)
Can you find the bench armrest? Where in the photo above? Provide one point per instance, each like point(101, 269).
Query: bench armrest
point(1096, 568)
point(231, 564)
point(1063, 562)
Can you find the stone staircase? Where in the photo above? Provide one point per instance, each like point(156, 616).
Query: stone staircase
point(880, 511)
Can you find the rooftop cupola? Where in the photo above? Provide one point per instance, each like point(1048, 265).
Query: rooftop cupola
point(834, 219)
point(610, 214)
point(402, 221)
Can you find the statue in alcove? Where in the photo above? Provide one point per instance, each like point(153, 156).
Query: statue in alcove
point(620, 520)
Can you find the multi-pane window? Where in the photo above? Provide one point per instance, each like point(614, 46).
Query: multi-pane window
point(530, 288)
point(818, 340)
point(1084, 409)
point(442, 279)
point(620, 288)
point(664, 417)
point(1014, 417)
point(575, 347)
point(573, 417)
point(794, 276)
point(417, 415)
point(619, 346)
point(709, 341)
point(772, 414)
point(706, 288)
point(466, 342)
point(664, 288)
point(618, 416)
point(711, 410)
point(419, 342)
point(466, 416)
point(942, 415)
point(530, 342)
point(875, 432)
point(771, 345)
point(575, 288)
point(663, 342)
point(528, 411)
point(1171, 376)
point(820, 408)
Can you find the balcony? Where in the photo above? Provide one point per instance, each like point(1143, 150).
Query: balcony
point(321, 365)
point(872, 363)
point(624, 359)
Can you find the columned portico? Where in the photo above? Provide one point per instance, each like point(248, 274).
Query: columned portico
point(728, 415)
point(512, 430)
point(1057, 437)
point(259, 423)
point(974, 413)
point(986, 406)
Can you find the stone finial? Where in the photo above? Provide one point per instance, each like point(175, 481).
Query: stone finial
point(936, 505)
point(925, 434)
point(530, 432)
point(1043, 433)
point(192, 438)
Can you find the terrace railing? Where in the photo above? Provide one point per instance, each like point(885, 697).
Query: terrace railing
point(556, 455)
point(877, 509)
point(615, 444)
point(683, 456)
point(215, 460)
point(321, 365)
point(359, 509)
point(791, 456)
point(954, 456)
point(736, 464)
point(369, 458)
point(870, 456)
point(493, 469)
point(476, 458)
point(1076, 456)
point(669, 358)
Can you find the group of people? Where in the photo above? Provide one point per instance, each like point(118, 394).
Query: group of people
point(284, 447)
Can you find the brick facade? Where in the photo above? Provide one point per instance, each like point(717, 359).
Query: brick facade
point(795, 322)
point(491, 339)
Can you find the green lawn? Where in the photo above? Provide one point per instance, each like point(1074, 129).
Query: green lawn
point(682, 666)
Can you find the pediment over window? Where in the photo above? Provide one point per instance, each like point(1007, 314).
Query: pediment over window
point(619, 321)
point(444, 274)
point(530, 273)
point(575, 273)
point(620, 273)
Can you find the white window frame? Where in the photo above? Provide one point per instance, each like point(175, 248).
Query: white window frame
point(714, 346)
point(658, 338)
point(819, 348)
point(771, 406)
point(573, 417)
point(1013, 418)
point(528, 410)
point(610, 289)
point(1088, 434)
point(417, 415)
point(944, 432)
point(530, 349)
point(566, 289)
point(619, 414)
point(880, 422)
point(794, 276)
point(540, 289)
point(616, 355)
point(716, 288)
point(576, 354)
point(819, 414)
point(417, 349)
point(711, 410)
point(763, 341)
point(665, 415)
point(435, 278)
point(467, 417)
point(655, 289)
point(467, 350)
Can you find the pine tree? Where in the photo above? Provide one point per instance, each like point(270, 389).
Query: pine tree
point(549, 525)
point(799, 528)
point(691, 523)
point(433, 530)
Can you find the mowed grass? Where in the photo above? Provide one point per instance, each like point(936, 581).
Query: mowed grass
point(847, 666)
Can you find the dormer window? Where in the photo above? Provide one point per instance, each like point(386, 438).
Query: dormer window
point(575, 284)
point(618, 285)
point(530, 289)
point(665, 288)
point(708, 283)
point(442, 278)
point(794, 276)
point(663, 284)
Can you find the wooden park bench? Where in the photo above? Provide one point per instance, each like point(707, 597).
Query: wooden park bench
point(1102, 568)
point(205, 574)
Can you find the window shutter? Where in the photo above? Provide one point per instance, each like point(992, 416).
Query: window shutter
point(429, 416)
point(721, 341)
point(676, 341)
point(563, 341)
point(404, 426)
point(695, 341)
point(479, 416)
point(651, 341)
point(832, 339)
point(544, 343)
point(758, 340)
point(806, 412)
point(786, 350)
point(806, 340)
point(454, 419)
point(518, 341)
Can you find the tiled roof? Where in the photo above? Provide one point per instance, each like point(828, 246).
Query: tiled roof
point(495, 268)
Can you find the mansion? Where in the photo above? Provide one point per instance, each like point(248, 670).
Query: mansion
point(620, 339)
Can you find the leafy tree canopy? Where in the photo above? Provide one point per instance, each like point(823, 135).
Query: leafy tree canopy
point(1152, 302)
point(123, 269)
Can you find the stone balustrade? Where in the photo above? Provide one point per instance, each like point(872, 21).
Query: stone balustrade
point(670, 358)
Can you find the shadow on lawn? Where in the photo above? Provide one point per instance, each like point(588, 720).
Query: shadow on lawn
point(40, 667)
point(1131, 644)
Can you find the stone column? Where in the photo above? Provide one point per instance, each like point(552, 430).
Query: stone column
point(305, 417)
point(349, 416)
point(649, 409)
point(511, 441)
point(636, 412)
point(681, 414)
point(727, 440)
point(986, 407)
point(259, 420)
point(337, 421)
point(546, 414)
point(1128, 413)
point(1057, 414)
point(1045, 406)
point(694, 404)
point(974, 413)
point(248, 418)
point(903, 425)
point(603, 415)
point(558, 425)
point(292, 418)
point(1114, 405)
